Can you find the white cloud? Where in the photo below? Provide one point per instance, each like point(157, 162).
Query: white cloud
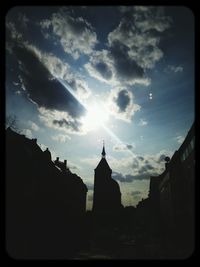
point(60, 120)
point(121, 104)
point(22, 18)
point(133, 168)
point(89, 199)
point(91, 161)
point(80, 87)
point(61, 138)
point(123, 147)
point(28, 133)
point(90, 196)
point(115, 71)
point(172, 68)
point(179, 139)
point(61, 70)
point(76, 35)
point(142, 47)
point(132, 172)
point(140, 166)
point(33, 126)
point(143, 122)
point(135, 34)
point(133, 47)
point(45, 24)
point(13, 32)
point(42, 146)
point(151, 18)
point(100, 66)
point(53, 118)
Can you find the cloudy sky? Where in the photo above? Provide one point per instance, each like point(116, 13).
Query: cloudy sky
point(76, 76)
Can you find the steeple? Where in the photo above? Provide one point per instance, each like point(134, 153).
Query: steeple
point(107, 195)
point(103, 151)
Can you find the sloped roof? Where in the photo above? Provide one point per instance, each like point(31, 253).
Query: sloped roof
point(103, 164)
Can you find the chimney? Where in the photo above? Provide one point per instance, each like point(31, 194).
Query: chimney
point(35, 140)
point(167, 160)
point(166, 165)
point(65, 163)
point(57, 159)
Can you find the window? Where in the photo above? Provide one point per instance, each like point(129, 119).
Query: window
point(188, 150)
point(183, 157)
point(192, 143)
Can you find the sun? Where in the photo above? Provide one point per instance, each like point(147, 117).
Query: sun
point(95, 117)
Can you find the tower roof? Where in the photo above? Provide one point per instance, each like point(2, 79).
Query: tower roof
point(103, 153)
point(103, 164)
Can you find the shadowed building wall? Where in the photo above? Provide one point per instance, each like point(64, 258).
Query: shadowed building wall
point(174, 191)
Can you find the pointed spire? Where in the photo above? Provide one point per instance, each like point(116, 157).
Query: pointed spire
point(103, 151)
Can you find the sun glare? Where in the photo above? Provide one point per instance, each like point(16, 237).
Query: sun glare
point(95, 117)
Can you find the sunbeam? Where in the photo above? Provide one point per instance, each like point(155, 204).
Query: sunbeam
point(96, 116)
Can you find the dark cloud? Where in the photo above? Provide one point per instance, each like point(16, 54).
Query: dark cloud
point(122, 147)
point(79, 86)
point(129, 178)
point(122, 178)
point(118, 148)
point(149, 167)
point(144, 176)
point(161, 158)
point(145, 168)
point(122, 104)
point(133, 47)
point(125, 67)
point(123, 100)
point(42, 88)
point(104, 70)
point(69, 124)
point(118, 176)
point(100, 66)
point(134, 44)
point(135, 163)
point(142, 169)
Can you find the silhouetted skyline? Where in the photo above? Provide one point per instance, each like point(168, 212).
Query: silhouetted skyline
point(46, 214)
point(78, 75)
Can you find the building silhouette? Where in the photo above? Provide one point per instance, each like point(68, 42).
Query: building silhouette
point(107, 195)
point(45, 202)
point(46, 207)
point(172, 195)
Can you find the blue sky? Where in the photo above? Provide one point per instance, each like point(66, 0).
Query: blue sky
point(78, 75)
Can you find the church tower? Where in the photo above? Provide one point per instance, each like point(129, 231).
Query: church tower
point(107, 195)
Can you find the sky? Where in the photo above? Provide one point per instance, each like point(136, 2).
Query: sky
point(78, 75)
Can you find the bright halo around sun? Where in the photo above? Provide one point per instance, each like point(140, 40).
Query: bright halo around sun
point(95, 117)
